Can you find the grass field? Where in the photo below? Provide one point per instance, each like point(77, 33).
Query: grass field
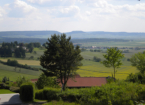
point(89, 68)
point(135, 43)
point(13, 74)
point(5, 91)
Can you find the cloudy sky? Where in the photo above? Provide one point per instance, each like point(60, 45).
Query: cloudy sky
point(72, 15)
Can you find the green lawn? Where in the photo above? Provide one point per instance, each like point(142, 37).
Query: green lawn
point(5, 91)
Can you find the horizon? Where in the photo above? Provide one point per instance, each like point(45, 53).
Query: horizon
point(71, 31)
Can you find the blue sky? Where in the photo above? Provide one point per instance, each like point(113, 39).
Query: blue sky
point(72, 15)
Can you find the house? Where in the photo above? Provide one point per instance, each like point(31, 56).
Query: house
point(82, 82)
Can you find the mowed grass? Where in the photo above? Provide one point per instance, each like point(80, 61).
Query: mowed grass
point(5, 91)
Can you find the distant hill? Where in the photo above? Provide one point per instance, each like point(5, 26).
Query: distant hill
point(73, 34)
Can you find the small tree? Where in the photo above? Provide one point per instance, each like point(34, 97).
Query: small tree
point(113, 59)
point(61, 58)
point(138, 60)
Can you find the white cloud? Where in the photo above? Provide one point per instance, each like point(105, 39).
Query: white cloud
point(70, 11)
point(20, 9)
point(24, 6)
point(53, 2)
point(88, 12)
point(2, 12)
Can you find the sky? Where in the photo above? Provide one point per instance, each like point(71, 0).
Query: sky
point(73, 15)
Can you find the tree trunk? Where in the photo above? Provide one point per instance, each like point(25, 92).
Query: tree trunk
point(63, 87)
point(114, 74)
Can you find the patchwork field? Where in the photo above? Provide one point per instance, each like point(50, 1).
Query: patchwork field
point(96, 69)
point(89, 68)
point(13, 74)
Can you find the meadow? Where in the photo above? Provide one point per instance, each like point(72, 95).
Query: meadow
point(89, 68)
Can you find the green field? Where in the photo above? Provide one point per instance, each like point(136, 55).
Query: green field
point(13, 74)
point(89, 68)
point(5, 91)
point(134, 43)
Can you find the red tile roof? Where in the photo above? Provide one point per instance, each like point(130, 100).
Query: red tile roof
point(83, 81)
point(86, 81)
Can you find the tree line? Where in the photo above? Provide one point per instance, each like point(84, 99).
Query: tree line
point(19, 49)
point(16, 64)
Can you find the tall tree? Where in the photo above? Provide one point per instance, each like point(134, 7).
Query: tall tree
point(61, 58)
point(113, 59)
point(138, 60)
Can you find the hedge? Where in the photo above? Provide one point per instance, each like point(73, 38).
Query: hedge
point(47, 94)
point(27, 92)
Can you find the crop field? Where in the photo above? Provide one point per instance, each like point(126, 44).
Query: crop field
point(89, 68)
point(96, 69)
point(135, 43)
point(13, 74)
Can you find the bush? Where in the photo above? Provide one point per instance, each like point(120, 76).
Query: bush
point(5, 79)
point(136, 78)
point(96, 59)
point(20, 80)
point(44, 81)
point(27, 92)
point(72, 94)
point(119, 93)
point(4, 86)
point(15, 89)
point(47, 94)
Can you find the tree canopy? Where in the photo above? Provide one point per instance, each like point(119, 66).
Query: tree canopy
point(61, 58)
point(113, 59)
point(138, 60)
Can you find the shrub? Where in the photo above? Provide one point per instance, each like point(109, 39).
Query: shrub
point(96, 59)
point(47, 94)
point(27, 92)
point(20, 80)
point(44, 81)
point(15, 89)
point(119, 93)
point(136, 78)
point(5, 79)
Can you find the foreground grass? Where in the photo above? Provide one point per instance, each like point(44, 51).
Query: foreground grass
point(5, 91)
point(59, 103)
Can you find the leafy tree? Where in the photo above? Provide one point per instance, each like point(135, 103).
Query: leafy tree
point(138, 60)
point(113, 59)
point(61, 58)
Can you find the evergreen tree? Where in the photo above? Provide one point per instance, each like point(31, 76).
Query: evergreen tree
point(61, 58)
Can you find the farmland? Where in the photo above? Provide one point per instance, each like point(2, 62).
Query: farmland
point(89, 68)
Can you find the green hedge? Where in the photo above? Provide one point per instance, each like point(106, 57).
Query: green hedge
point(116, 93)
point(47, 94)
point(120, 93)
point(27, 92)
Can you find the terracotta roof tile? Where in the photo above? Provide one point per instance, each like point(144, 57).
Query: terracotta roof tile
point(86, 81)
